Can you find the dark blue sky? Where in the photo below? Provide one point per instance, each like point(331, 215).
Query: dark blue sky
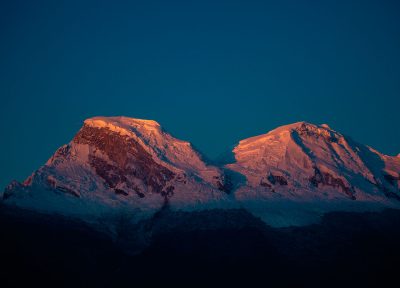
point(211, 72)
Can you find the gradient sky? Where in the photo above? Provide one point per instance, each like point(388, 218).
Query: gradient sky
point(211, 72)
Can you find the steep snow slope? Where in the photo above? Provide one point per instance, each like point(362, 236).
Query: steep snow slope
point(120, 162)
point(308, 161)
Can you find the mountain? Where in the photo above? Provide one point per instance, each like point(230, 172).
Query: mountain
point(119, 163)
point(300, 171)
point(306, 161)
point(289, 176)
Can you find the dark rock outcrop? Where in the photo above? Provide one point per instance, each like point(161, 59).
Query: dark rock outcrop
point(128, 158)
point(327, 179)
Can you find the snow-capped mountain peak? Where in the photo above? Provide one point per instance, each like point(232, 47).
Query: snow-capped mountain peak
point(150, 135)
point(123, 124)
point(313, 161)
point(125, 162)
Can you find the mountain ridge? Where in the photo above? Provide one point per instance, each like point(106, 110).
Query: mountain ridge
point(121, 163)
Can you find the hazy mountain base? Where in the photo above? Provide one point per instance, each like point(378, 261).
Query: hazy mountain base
point(205, 248)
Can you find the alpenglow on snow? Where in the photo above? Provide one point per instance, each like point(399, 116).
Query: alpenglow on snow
point(116, 164)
